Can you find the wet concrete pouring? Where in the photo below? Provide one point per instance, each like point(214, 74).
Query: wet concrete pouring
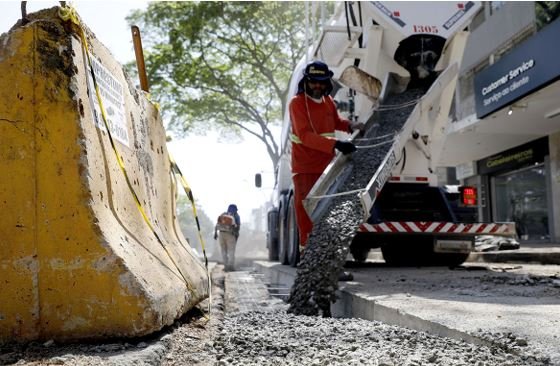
point(328, 244)
point(248, 326)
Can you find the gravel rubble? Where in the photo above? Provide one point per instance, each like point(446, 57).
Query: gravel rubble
point(248, 327)
point(279, 338)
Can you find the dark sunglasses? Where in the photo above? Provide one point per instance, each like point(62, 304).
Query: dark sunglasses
point(322, 82)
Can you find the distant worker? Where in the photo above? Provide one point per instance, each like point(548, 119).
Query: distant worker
point(228, 225)
point(314, 120)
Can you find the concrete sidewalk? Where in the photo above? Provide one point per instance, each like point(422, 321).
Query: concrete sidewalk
point(530, 253)
point(527, 253)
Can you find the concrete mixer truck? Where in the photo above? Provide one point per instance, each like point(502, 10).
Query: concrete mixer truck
point(379, 52)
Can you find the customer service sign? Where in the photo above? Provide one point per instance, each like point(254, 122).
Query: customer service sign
point(529, 67)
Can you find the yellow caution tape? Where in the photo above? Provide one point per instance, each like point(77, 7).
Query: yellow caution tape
point(156, 104)
point(190, 196)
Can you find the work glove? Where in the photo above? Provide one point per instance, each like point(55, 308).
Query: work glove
point(345, 147)
point(215, 236)
point(358, 126)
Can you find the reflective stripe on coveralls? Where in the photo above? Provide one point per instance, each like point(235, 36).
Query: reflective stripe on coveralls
point(296, 139)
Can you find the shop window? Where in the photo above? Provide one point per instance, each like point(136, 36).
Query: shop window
point(521, 197)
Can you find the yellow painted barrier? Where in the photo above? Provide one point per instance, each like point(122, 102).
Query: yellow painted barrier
point(77, 260)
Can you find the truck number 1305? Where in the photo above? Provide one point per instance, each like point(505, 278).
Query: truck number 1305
point(425, 29)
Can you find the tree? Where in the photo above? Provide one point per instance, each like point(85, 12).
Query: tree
point(546, 12)
point(187, 223)
point(224, 65)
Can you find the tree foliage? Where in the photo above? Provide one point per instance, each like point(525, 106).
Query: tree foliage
point(223, 65)
point(546, 12)
point(189, 228)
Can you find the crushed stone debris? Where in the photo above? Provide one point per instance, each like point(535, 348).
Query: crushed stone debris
point(262, 332)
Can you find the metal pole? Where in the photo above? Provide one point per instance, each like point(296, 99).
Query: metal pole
point(313, 22)
point(306, 32)
point(137, 41)
point(24, 12)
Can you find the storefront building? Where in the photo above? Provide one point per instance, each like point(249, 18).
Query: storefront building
point(508, 131)
point(517, 188)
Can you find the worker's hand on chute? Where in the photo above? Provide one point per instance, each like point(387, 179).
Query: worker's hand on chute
point(358, 126)
point(345, 147)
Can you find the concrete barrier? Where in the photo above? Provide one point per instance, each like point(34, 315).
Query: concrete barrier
point(77, 260)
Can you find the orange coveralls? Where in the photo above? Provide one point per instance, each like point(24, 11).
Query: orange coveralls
point(313, 139)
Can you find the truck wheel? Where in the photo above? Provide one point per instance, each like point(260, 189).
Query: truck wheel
point(283, 233)
point(392, 255)
point(272, 249)
point(293, 234)
point(360, 255)
point(360, 247)
point(418, 252)
point(450, 259)
point(272, 235)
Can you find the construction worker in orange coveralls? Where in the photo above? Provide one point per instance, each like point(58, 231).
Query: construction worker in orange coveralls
point(314, 120)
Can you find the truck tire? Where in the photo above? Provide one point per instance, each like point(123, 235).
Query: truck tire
point(272, 249)
point(360, 247)
point(413, 252)
point(272, 235)
point(393, 256)
point(359, 254)
point(419, 252)
point(450, 259)
point(283, 233)
point(292, 244)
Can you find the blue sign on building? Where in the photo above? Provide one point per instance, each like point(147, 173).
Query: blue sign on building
point(531, 66)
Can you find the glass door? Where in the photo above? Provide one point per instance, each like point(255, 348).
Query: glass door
point(521, 196)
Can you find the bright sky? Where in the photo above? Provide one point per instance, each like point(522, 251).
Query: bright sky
point(218, 173)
